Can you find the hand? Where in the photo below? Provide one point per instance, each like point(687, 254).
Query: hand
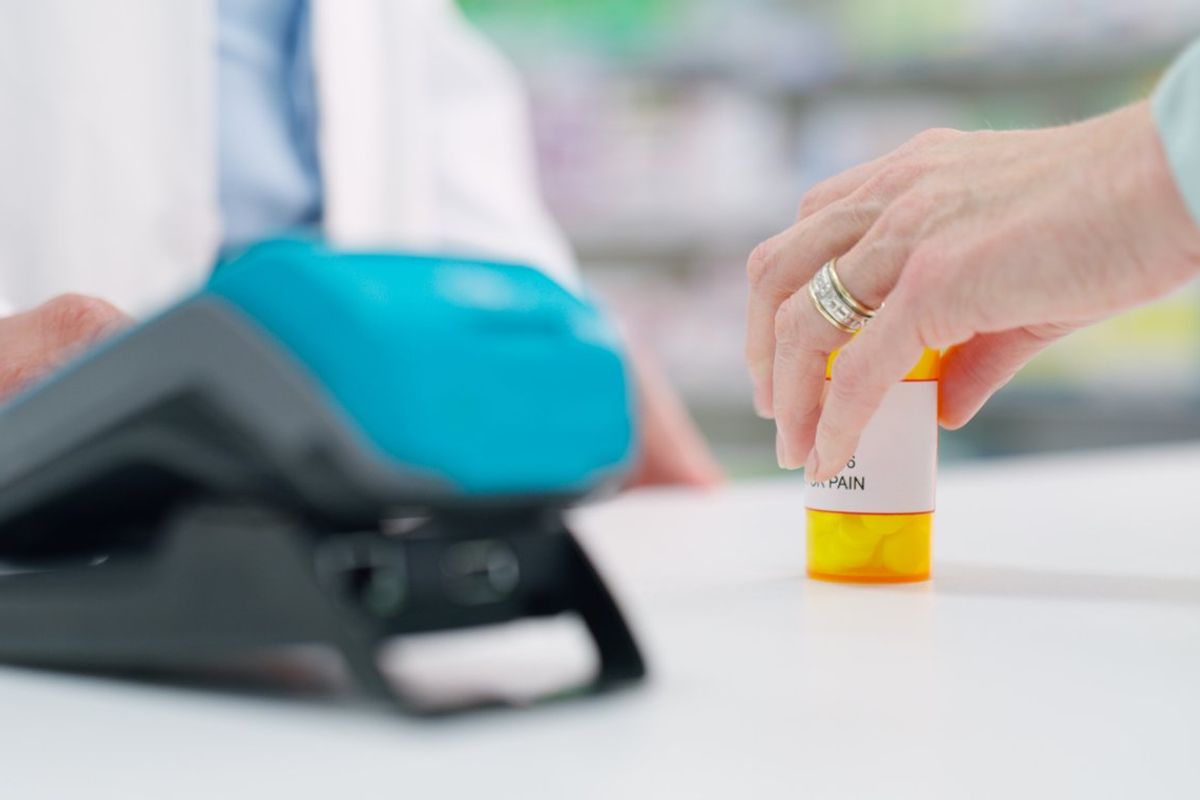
point(992, 244)
point(36, 342)
point(672, 450)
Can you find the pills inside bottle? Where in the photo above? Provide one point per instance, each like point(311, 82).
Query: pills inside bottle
point(873, 522)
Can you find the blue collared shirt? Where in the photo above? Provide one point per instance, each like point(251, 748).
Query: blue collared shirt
point(269, 173)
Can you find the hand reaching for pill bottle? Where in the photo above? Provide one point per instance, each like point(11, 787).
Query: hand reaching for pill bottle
point(988, 245)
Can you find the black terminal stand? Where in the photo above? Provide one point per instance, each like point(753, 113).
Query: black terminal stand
point(163, 510)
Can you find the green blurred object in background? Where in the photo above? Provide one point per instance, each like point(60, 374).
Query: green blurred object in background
point(613, 26)
point(905, 29)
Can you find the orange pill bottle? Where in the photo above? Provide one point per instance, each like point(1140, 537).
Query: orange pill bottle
point(873, 521)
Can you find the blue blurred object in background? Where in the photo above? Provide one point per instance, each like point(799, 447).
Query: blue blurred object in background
point(490, 375)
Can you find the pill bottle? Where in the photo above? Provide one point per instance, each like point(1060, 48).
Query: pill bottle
point(873, 521)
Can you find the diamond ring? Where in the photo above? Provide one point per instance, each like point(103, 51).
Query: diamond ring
point(839, 308)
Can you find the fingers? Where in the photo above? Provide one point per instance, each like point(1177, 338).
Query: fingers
point(778, 268)
point(838, 187)
point(672, 449)
point(865, 369)
point(69, 322)
point(782, 265)
point(875, 215)
point(804, 339)
point(35, 342)
point(975, 369)
point(924, 310)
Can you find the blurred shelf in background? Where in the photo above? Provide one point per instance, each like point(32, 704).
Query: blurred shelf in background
point(673, 135)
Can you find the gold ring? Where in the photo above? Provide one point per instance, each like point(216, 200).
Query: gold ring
point(839, 308)
point(850, 299)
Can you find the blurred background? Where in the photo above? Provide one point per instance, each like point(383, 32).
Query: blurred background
point(673, 135)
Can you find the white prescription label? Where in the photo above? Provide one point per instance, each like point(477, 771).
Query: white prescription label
point(893, 469)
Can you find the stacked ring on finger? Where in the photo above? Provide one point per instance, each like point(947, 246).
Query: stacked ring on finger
point(840, 309)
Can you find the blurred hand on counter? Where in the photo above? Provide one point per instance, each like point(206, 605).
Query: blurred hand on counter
point(34, 343)
point(991, 244)
point(672, 450)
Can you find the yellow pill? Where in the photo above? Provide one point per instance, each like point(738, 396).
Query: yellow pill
point(847, 545)
point(826, 554)
point(884, 524)
point(838, 559)
point(907, 551)
point(819, 553)
point(853, 531)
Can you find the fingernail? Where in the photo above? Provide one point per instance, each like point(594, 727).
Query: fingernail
point(780, 451)
point(811, 464)
point(762, 403)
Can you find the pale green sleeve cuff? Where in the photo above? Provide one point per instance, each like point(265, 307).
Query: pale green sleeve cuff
point(1176, 106)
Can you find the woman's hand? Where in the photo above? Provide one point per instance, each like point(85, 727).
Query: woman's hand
point(36, 342)
point(672, 450)
point(992, 244)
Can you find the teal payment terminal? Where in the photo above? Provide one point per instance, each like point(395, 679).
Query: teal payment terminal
point(317, 446)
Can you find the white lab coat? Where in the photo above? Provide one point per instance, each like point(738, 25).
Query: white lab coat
point(107, 144)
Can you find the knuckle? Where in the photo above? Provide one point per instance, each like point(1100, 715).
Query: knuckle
point(894, 178)
point(858, 212)
point(813, 200)
point(760, 262)
point(861, 216)
point(789, 320)
point(931, 329)
point(833, 427)
point(1049, 333)
point(849, 379)
point(903, 219)
point(934, 136)
point(78, 316)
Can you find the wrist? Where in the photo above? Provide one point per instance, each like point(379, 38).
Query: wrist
point(1157, 219)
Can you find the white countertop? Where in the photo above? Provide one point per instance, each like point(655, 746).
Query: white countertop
point(1055, 654)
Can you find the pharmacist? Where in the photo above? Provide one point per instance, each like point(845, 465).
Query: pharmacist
point(140, 139)
point(991, 244)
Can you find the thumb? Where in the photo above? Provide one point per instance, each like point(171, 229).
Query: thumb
point(974, 370)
